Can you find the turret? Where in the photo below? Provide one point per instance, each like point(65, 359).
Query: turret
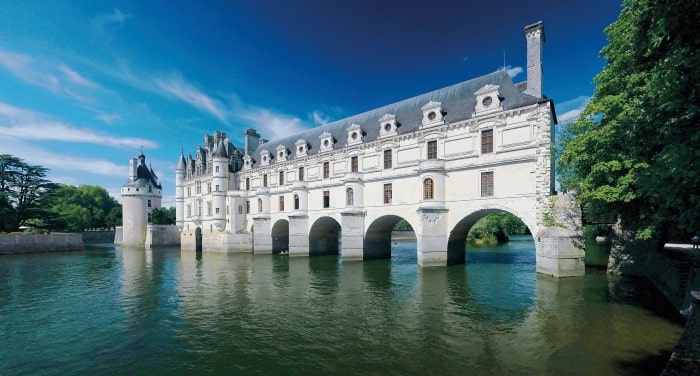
point(534, 35)
point(220, 184)
point(179, 191)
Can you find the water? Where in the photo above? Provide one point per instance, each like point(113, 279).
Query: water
point(109, 310)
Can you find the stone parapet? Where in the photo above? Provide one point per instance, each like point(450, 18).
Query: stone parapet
point(38, 243)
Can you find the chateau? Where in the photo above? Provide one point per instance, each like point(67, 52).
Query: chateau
point(440, 160)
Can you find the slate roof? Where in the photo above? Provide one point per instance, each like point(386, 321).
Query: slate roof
point(144, 175)
point(458, 101)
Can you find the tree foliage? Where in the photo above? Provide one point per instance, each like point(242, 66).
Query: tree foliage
point(496, 228)
point(76, 208)
point(163, 216)
point(634, 153)
point(22, 190)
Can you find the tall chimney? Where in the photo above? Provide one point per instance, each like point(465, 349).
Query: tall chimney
point(534, 34)
point(252, 140)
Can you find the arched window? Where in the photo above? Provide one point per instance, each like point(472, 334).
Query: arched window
point(349, 197)
point(428, 189)
point(296, 202)
point(259, 205)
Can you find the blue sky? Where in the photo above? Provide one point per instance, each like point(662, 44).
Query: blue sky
point(85, 84)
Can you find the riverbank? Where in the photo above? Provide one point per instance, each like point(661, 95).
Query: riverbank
point(40, 243)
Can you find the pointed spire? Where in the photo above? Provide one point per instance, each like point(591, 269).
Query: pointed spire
point(181, 162)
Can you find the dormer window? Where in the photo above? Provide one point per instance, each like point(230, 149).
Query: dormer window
point(388, 125)
point(265, 158)
point(354, 134)
point(247, 162)
point(432, 114)
point(326, 141)
point(302, 148)
point(281, 153)
point(488, 100)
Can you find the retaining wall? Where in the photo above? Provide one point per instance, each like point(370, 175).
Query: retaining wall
point(91, 237)
point(162, 235)
point(37, 243)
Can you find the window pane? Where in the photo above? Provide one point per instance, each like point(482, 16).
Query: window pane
point(387, 193)
point(326, 199)
point(487, 183)
point(428, 189)
point(353, 164)
point(387, 158)
point(349, 197)
point(487, 141)
point(432, 150)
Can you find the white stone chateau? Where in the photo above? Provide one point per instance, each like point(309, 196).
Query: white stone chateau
point(440, 160)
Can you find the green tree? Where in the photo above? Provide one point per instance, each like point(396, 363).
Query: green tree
point(82, 207)
point(163, 216)
point(22, 188)
point(496, 228)
point(634, 152)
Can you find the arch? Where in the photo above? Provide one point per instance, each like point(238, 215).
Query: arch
point(377, 242)
point(280, 236)
point(324, 237)
point(456, 244)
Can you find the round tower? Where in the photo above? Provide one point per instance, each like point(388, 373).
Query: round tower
point(140, 195)
point(220, 184)
point(180, 192)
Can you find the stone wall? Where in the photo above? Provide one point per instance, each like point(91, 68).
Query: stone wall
point(162, 236)
point(92, 237)
point(37, 243)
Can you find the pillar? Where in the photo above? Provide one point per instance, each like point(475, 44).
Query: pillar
point(352, 236)
point(432, 237)
point(298, 234)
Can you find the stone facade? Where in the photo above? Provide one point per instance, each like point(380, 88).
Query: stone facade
point(440, 161)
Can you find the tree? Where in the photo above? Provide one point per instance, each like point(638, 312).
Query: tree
point(163, 216)
point(82, 207)
point(22, 188)
point(496, 228)
point(634, 153)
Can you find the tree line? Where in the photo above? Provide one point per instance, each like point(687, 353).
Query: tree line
point(633, 156)
point(28, 199)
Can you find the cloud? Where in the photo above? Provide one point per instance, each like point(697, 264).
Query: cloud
point(185, 91)
point(514, 71)
point(272, 125)
point(109, 118)
point(104, 26)
point(76, 78)
point(572, 109)
point(319, 118)
point(29, 125)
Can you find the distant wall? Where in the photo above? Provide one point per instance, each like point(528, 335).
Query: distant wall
point(37, 243)
point(162, 235)
point(118, 235)
point(91, 237)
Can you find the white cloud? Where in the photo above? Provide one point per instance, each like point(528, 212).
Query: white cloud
point(514, 71)
point(29, 125)
point(569, 116)
point(109, 118)
point(272, 125)
point(76, 78)
point(572, 109)
point(182, 89)
point(319, 118)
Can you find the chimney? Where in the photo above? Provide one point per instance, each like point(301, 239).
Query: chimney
point(252, 141)
point(534, 35)
point(133, 165)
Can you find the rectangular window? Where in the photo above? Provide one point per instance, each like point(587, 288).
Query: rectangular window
point(208, 208)
point(189, 192)
point(189, 210)
point(296, 202)
point(217, 188)
point(487, 141)
point(149, 217)
point(216, 168)
point(216, 211)
point(487, 184)
point(265, 180)
point(281, 203)
point(387, 158)
point(387, 193)
point(353, 164)
point(281, 177)
point(301, 173)
point(432, 149)
point(326, 170)
point(240, 209)
point(247, 207)
point(326, 199)
point(247, 184)
point(149, 203)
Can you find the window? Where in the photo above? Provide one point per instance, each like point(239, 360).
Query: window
point(216, 168)
point(150, 189)
point(189, 210)
point(240, 209)
point(199, 207)
point(432, 149)
point(259, 205)
point(149, 203)
point(247, 184)
point(349, 197)
point(428, 189)
point(149, 217)
point(387, 193)
point(216, 211)
point(247, 207)
point(216, 188)
point(326, 170)
point(487, 141)
point(281, 203)
point(281, 178)
point(265, 180)
point(487, 183)
point(326, 199)
point(353, 164)
point(296, 202)
point(189, 191)
point(209, 208)
point(387, 158)
point(208, 187)
point(301, 173)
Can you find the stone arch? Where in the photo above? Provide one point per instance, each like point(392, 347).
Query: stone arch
point(280, 236)
point(324, 237)
point(377, 240)
point(457, 237)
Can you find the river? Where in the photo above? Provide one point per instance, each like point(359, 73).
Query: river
point(108, 310)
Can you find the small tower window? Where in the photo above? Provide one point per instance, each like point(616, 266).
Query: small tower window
point(326, 170)
point(265, 180)
point(216, 168)
point(301, 173)
point(281, 178)
point(296, 202)
point(260, 206)
point(428, 189)
point(326, 199)
point(349, 197)
point(149, 203)
point(247, 184)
